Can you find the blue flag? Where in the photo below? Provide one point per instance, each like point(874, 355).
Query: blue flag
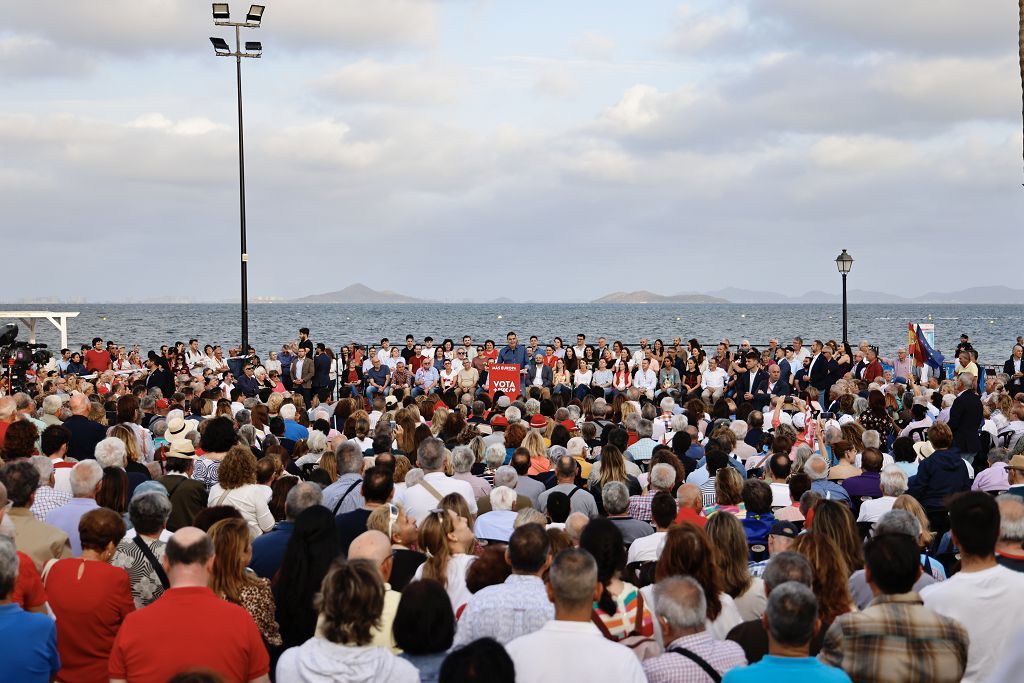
point(932, 357)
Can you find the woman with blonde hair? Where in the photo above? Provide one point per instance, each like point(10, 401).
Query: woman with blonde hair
point(133, 463)
point(447, 539)
point(237, 487)
point(831, 575)
point(231, 579)
point(274, 403)
point(728, 494)
point(438, 419)
point(726, 533)
point(400, 528)
point(539, 461)
point(611, 467)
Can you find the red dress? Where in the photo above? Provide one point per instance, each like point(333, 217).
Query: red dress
point(90, 599)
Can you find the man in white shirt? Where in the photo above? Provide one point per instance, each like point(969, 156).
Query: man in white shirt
point(426, 496)
point(581, 345)
point(518, 606)
point(893, 482)
point(663, 513)
point(982, 596)
point(799, 353)
point(571, 648)
point(646, 380)
point(384, 352)
point(713, 381)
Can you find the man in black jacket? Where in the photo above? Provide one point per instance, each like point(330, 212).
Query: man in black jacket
point(966, 417)
point(1014, 367)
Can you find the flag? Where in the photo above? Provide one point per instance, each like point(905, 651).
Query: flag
point(929, 355)
point(916, 352)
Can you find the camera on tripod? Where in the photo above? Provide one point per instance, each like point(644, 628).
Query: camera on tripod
point(17, 356)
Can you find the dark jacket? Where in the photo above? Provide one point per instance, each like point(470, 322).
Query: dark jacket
point(85, 434)
point(321, 370)
point(939, 475)
point(965, 418)
point(249, 386)
point(188, 498)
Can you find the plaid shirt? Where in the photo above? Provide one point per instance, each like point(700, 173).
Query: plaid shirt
point(672, 667)
point(48, 499)
point(897, 639)
point(640, 506)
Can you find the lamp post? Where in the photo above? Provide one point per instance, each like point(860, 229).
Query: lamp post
point(844, 262)
point(222, 17)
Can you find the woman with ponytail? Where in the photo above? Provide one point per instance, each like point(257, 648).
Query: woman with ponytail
point(447, 539)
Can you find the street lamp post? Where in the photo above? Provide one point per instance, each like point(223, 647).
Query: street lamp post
point(222, 17)
point(844, 262)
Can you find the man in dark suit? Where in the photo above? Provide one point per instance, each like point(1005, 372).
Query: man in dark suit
point(966, 416)
point(776, 386)
point(321, 373)
point(752, 385)
point(85, 433)
point(247, 383)
point(817, 373)
point(1015, 369)
point(539, 371)
point(302, 375)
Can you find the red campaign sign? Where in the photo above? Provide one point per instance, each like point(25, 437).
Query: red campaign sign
point(504, 378)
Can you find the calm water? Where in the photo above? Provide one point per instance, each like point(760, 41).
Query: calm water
point(992, 328)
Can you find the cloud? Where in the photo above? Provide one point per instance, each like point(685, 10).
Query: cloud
point(24, 58)
point(554, 81)
point(371, 81)
point(697, 31)
point(594, 45)
point(126, 28)
point(923, 26)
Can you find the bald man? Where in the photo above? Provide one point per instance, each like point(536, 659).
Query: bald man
point(691, 502)
point(374, 546)
point(85, 433)
point(198, 629)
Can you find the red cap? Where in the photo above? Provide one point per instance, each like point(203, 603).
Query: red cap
point(569, 424)
point(162, 404)
point(499, 421)
point(538, 421)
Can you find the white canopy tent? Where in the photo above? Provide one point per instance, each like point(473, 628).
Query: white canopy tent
point(29, 318)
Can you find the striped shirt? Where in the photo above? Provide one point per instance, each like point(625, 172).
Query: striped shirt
point(707, 491)
point(624, 622)
point(672, 667)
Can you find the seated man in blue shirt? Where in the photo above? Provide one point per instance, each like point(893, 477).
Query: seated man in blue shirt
point(791, 620)
point(268, 549)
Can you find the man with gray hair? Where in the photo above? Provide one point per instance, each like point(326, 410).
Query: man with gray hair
point(994, 477)
point(1009, 551)
point(497, 525)
point(816, 468)
point(643, 448)
point(892, 522)
point(690, 653)
point(47, 498)
point(419, 500)
point(893, 482)
point(52, 406)
point(965, 415)
point(580, 500)
point(571, 648)
point(28, 641)
point(344, 494)
point(662, 478)
point(505, 475)
point(615, 497)
point(85, 482)
point(463, 460)
point(791, 620)
point(268, 549)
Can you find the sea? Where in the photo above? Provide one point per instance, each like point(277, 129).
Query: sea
point(992, 328)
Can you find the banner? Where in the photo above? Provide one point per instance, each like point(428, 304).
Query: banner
point(504, 378)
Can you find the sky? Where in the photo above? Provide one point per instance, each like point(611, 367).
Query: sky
point(551, 151)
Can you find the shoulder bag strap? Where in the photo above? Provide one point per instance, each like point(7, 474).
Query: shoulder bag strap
point(573, 492)
point(595, 618)
point(46, 569)
point(638, 625)
point(431, 490)
point(341, 500)
point(151, 558)
point(699, 661)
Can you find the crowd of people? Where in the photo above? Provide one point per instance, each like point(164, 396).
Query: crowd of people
point(660, 514)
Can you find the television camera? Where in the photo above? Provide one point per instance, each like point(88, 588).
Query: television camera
point(17, 356)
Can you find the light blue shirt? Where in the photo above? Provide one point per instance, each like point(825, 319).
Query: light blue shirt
point(505, 611)
point(771, 668)
point(66, 519)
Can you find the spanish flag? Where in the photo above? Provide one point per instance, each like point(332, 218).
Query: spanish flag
point(919, 348)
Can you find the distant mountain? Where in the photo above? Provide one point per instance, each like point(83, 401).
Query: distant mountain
point(359, 294)
point(975, 295)
point(645, 297)
point(500, 300)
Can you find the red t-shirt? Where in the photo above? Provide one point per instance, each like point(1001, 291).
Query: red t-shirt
point(90, 599)
point(188, 628)
point(28, 589)
point(97, 361)
point(692, 516)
